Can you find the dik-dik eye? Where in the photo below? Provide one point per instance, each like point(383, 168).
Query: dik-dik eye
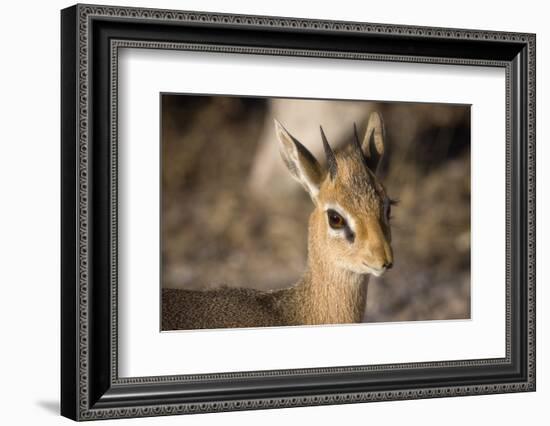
point(388, 202)
point(335, 220)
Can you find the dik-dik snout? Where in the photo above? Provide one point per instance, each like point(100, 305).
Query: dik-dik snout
point(377, 253)
point(350, 226)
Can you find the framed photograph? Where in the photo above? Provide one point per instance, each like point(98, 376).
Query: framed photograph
point(263, 212)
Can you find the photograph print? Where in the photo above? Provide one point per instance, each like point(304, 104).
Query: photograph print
point(283, 212)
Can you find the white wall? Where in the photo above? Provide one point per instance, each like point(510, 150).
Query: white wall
point(29, 225)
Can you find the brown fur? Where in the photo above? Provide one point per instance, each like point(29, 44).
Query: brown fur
point(333, 289)
point(321, 296)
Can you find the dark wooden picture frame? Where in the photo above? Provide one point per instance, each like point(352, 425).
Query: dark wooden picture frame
point(90, 385)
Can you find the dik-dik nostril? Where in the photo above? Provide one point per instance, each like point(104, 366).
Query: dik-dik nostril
point(388, 265)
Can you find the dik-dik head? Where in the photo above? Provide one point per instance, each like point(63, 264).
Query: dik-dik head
point(351, 220)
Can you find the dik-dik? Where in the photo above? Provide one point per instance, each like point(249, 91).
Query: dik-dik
point(349, 239)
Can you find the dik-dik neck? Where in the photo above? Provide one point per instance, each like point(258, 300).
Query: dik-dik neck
point(328, 293)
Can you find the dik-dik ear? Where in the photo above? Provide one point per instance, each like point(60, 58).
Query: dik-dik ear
point(373, 142)
point(300, 162)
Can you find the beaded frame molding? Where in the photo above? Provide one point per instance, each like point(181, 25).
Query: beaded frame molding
point(91, 38)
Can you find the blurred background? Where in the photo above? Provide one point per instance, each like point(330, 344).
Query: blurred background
point(232, 215)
